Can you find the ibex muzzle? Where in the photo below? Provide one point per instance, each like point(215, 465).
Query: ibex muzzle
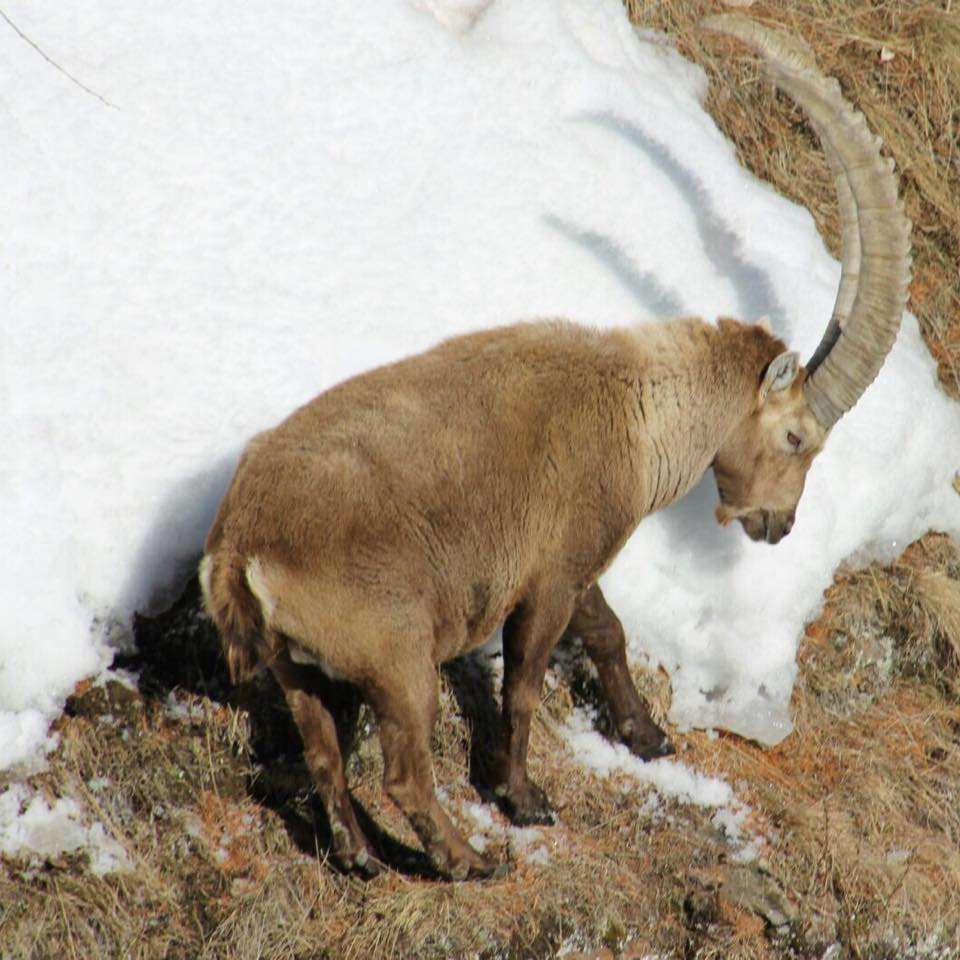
point(396, 520)
point(761, 467)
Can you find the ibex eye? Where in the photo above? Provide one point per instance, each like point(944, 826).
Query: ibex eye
point(793, 440)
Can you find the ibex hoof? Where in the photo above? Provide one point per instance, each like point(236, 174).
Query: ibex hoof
point(367, 865)
point(526, 807)
point(651, 748)
point(477, 867)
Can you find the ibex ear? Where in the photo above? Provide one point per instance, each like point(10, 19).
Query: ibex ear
point(764, 323)
point(780, 374)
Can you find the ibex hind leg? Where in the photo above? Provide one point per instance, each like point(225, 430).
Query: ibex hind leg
point(405, 703)
point(322, 754)
point(602, 634)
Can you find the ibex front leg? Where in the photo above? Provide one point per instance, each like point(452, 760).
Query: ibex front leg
point(529, 634)
point(602, 634)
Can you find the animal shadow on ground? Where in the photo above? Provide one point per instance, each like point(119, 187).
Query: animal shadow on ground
point(178, 651)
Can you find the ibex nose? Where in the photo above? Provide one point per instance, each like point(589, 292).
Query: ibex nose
point(766, 525)
point(778, 526)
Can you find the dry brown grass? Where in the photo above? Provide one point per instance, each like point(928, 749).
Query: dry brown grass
point(865, 795)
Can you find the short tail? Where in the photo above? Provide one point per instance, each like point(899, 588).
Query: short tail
point(235, 611)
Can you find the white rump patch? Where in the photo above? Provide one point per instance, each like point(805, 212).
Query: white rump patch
point(205, 573)
point(299, 654)
point(258, 587)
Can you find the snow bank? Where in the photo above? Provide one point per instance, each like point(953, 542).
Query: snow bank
point(285, 194)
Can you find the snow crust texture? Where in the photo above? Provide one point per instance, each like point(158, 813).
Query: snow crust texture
point(284, 194)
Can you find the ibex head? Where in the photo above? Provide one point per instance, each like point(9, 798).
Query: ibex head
point(761, 468)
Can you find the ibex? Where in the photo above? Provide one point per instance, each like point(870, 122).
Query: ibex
point(396, 520)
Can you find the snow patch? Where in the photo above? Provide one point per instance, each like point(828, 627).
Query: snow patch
point(523, 843)
point(29, 826)
point(528, 844)
point(671, 778)
point(732, 822)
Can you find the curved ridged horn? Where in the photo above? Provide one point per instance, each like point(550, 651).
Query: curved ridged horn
point(875, 257)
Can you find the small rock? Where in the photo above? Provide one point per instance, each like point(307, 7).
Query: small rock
point(751, 888)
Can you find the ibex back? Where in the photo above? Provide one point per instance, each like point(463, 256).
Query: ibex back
point(396, 520)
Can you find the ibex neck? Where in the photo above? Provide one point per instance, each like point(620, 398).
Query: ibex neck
point(696, 383)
